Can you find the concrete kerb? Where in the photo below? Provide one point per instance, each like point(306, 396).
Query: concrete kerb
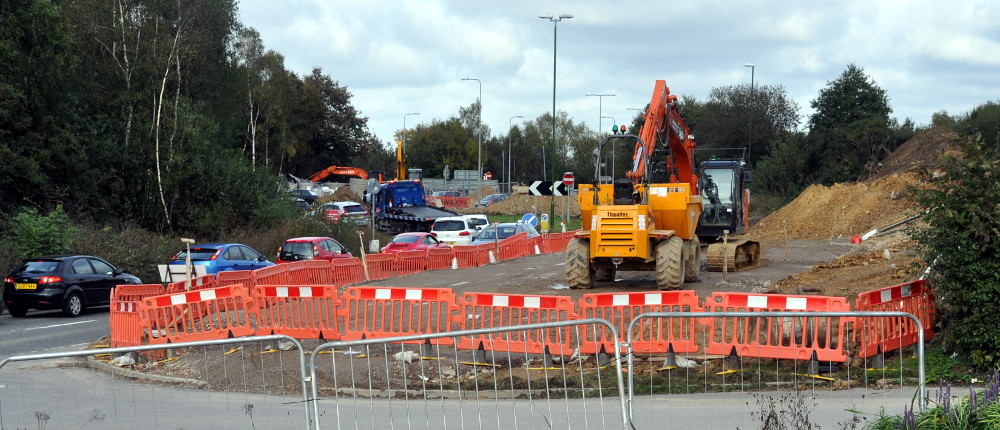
point(136, 375)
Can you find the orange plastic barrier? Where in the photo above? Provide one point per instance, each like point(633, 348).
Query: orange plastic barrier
point(304, 311)
point(483, 254)
point(347, 271)
point(272, 275)
point(214, 313)
point(551, 243)
point(320, 272)
point(233, 277)
point(786, 338)
point(298, 273)
point(376, 312)
point(199, 283)
point(125, 299)
point(513, 247)
point(439, 258)
point(887, 334)
point(410, 262)
point(380, 266)
point(486, 310)
point(537, 245)
point(466, 256)
point(651, 334)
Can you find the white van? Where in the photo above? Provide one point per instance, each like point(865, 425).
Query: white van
point(455, 230)
point(478, 220)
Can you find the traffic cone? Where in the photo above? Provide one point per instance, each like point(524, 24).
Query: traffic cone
point(454, 263)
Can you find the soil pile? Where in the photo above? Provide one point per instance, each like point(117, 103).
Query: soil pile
point(925, 150)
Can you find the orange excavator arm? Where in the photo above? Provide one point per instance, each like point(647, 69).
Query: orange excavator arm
point(665, 125)
point(338, 171)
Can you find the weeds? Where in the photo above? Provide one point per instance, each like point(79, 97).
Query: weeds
point(979, 410)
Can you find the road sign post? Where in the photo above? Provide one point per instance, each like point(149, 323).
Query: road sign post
point(567, 180)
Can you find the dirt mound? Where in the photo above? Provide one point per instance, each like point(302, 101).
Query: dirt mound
point(344, 194)
point(925, 149)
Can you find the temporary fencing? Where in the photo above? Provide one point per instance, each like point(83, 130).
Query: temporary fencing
point(125, 299)
point(272, 275)
point(213, 313)
point(199, 283)
point(320, 272)
point(439, 259)
point(234, 277)
point(304, 312)
point(347, 271)
point(512, 247)
point(486, 310)
point(791, 338)
point(465, 256)
point(485, 254)
point(661, 335)
point(298, 274)
point(410, 262)
point(883, 335)
point(374, 312)
point(380, 266)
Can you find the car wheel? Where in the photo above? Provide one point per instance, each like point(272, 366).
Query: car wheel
point(74, 305)
point(17, 311)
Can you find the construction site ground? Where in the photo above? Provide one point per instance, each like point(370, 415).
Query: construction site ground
point(807, 248)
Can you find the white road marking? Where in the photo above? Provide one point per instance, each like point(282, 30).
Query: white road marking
point(59, 325)
point(459, 283)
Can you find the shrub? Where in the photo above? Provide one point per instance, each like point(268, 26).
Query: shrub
point(30, 234)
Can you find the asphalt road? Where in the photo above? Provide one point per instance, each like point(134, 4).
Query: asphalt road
point(48, 331)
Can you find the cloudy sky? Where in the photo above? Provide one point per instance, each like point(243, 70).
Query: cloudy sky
point(398, 57)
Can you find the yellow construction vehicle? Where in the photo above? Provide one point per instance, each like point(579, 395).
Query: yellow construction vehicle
point(647, 220)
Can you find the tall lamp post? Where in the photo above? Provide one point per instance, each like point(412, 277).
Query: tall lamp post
point(750, 132)
point(404, 138)
point(479, 133)
point(613, 122)
point(510, 155)
point(555, 25)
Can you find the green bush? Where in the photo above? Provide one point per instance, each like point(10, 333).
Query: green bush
point(960, 240)
point(31, 234)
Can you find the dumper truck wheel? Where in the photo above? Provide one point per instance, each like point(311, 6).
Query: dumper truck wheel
point(692, 260)
point(578, 270)
point(670, 264)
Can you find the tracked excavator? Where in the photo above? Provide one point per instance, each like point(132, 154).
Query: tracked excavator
point(722, 181)
point(647, 220)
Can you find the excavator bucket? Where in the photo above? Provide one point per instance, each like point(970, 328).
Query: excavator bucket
point(734, 255)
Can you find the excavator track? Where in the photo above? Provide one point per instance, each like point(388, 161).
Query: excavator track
point(736, 255)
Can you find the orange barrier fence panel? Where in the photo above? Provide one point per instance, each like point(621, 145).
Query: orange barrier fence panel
point(272, 275)
point(650, 335)
point(537, 245)
point(125, 299)
point(300, 311)
point(347, 271)
point(877, 335)
point(298, 273)
point(512, 247)
point(376, 312)
point(487, 310)
point(199, 283)
point(552, 243)
point(410, 262)
point(466, 256)
point(233, 277)
point(784, 338)
point(439, 258)
point(214, 313)
point(564, 239)
point(483, 254)
point(320, 272)
point(380, 266)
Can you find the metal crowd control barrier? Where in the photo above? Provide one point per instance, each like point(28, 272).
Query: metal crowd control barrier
point(673, 334)
point(374, 312)
point(305, 312)
point(125, 299)
point(415, 380)
point(789, 338)
point(214, 313)
point(159, 348)
point(880, 335)
point(487, 310)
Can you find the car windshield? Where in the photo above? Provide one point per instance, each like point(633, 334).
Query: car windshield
point(354, 209)
point(449, 226)
point(197, 254)
point(490, 233)
point(296, 249)
point(478, 221)
point(42, 266)
point(405, 239)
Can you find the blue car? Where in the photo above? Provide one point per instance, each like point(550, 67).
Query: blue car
point(222, 257)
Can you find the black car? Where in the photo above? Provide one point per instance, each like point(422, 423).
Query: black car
point(68, 282)
point(308, 195)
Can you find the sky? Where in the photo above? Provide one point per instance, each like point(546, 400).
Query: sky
point(402, 57)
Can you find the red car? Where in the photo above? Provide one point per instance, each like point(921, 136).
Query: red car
point(311, 248)
point(413, 242)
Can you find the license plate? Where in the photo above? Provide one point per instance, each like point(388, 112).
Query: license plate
point(20, 286)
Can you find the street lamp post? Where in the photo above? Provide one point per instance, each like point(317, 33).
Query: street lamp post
point(600, 113)
point(613, 122)
point(555, 25)
point(404, 139)
point(510, 154)
point(479, 133)
point(750, 132)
